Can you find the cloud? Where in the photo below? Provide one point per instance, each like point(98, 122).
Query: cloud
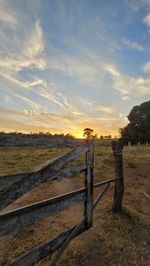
point(5, 16)
point(104, 125)
point(128, 85)
point(20, 83)
point(29, 57)
point(47, 92)
point(21, 50)
point(35, 44)
point(86, 66)
point(146, 67)
point(125, 98)
point(146, 20)
point(133, 45)
point(77, 113)
point(63, 75)
point(106, 109)
point(30, 103)
point(136, 5)
point(27, 121)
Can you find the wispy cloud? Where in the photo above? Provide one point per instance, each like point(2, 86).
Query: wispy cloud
point(27, 121)
point(133, 45)
point(63, 69)
point(5, 16)
point(85, 68)
point(125, 98)
point(128, 85)
point(34, 46)
point(106, 109)
point(30, 103)
point(22, 46)
point(29, 57)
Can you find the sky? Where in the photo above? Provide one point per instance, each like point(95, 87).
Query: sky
point(70, 64)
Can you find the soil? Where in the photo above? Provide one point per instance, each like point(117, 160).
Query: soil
point(115, 239)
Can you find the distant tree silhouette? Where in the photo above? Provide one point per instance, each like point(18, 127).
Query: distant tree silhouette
point(138, 128)
point(68, 135)
point(88, 133)
point(107, 137)
point(94, 136)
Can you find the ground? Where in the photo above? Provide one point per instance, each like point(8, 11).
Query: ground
point(119, 240)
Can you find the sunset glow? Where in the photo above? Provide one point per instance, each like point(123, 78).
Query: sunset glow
point(68, 65)
point(78, 135)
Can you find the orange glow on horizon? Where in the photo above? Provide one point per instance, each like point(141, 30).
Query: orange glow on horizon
point(78, 135)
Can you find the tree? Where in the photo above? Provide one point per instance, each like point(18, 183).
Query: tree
point(88, 133)
point(138, 128)
point(107, 137)
point(94, 136)
point(68, 135)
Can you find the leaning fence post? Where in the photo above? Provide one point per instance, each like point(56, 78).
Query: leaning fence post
point(117, 147)
point(89, 184)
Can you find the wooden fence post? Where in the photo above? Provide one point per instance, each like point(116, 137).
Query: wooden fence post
point(117, 147)
point(89, 184)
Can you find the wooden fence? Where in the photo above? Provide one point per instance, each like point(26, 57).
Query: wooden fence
point(13, 187)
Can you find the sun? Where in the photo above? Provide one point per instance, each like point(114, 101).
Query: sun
point(78, 135)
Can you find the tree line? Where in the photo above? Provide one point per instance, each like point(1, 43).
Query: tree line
point(61, 135)
point(88, 133)
point(137, 130)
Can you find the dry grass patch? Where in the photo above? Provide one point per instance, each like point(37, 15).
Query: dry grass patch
point(114, 239)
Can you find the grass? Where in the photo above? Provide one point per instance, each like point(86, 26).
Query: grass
point(16, 160)
point(114, 239)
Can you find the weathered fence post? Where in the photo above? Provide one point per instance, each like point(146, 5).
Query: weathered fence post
point(89, 184)
point(117, 147)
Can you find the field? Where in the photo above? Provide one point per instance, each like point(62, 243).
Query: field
point(114, 239)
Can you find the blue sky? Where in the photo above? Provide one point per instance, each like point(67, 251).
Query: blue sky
point(66, 64)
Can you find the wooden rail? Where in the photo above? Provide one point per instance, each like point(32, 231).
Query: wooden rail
point(45, 249)
point(30, 214)
point(35, 212)
point(21, 183)
point(31, 180)
point(51, 246)
point(7, 181)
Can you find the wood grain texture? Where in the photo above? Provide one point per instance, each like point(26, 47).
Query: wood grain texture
point(33, 179)
point(45, 249)
point(35, 212)
point(89, 184)
point(7, 181)
point(117, 147)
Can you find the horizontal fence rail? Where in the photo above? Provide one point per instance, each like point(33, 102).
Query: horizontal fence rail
point(47, 249)
point(7, 181)
point(104, 182)
point(32, 179)
point(20, 217)
point(30, 214)
point(14, 186)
